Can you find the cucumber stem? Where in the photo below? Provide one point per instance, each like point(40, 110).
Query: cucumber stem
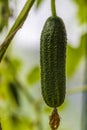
point(53, 8)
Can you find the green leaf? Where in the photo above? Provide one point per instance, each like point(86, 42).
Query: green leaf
point(82, 10)
point(73, 58)
point(34, 75)
point(74, 55)
point(81, 2)
point(13, 64)
point(82, 14)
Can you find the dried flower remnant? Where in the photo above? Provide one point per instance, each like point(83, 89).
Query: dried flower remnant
point(54, 120)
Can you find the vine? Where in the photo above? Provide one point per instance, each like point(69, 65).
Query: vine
point(53, 8)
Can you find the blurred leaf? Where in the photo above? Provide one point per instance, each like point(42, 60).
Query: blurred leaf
point(6, 125)
point(82, 10)
point(34, 75)
point(74, 55)
point(13, 92)
point(82, 14)
point(13, 63)
point(4, 14)
point(81, 2)
point(47, 109)
point(16, 63)
point(5, 74)
point(73, 59)
point(20, 121)
point(64, 106)
point(14, 118)
point(38, 3)
point(9, 70)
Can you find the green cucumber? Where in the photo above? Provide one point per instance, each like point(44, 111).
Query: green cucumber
point(53, 60)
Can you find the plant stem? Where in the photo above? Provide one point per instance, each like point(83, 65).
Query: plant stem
point(76, 90)
point(84, 95)
point(22, 16)
point(53, 8)
point(17, 25)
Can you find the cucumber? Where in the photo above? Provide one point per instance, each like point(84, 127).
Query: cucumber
point(52, 61)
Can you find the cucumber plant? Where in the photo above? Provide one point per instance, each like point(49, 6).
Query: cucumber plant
point(52, 59)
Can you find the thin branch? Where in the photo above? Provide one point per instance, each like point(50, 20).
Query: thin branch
point(76, 90)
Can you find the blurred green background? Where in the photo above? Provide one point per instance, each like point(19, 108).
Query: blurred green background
point(21, 103)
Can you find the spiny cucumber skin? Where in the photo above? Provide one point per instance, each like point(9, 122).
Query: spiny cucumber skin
point(53, 60)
